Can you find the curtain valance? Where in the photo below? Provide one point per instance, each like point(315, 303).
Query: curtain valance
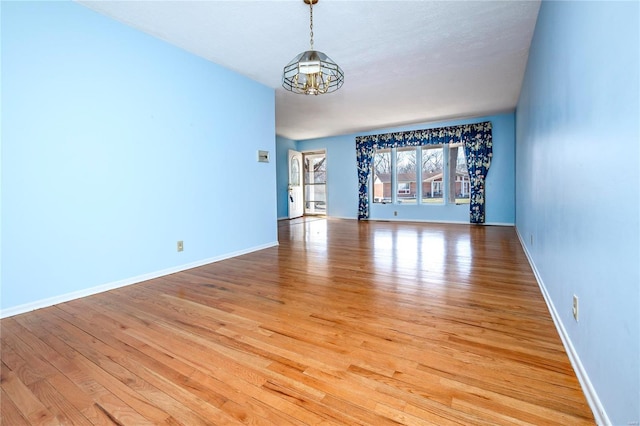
point(478, 148)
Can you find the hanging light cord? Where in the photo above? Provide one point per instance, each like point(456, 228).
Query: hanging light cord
point(311, 22)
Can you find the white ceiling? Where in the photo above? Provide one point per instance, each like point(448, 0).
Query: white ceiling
point(404, 61)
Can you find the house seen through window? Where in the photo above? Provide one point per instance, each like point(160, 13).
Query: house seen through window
point(424, 175)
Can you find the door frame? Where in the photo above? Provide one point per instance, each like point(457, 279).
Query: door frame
point(304, 183)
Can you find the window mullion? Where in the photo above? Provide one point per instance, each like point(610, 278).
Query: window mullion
point(445, 174)
point(394, 178)
point(418, 175)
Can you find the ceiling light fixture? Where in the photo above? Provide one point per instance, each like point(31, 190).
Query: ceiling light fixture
point(312, 72)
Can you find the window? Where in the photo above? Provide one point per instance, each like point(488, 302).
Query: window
point(404, 188)
point(382, 176)
point(481, 151)
point(459, 184)
point(425, 175)
point(432, 174)
point(406, 174)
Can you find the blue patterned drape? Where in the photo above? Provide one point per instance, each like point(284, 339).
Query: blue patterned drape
point(478, 148)
point(478, 151)
point(364, 156)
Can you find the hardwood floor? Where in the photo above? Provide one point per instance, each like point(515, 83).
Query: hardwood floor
point(350, 323)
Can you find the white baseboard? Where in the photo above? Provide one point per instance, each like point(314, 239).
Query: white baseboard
point(414, 220)
point(43, 303)
point(593, 400)
point(380, 219)
point(460, 222)
point(456, 222)
point(322, 217)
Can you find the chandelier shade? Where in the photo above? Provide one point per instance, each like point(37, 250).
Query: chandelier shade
point(312, 72)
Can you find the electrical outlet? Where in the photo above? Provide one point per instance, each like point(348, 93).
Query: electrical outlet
point(531, 239)
point(180, 245)
point(575, 307)
point(395, 213)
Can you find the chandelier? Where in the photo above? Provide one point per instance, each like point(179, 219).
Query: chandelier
point(312, 72)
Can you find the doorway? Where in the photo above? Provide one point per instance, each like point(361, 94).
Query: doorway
point(315, 182)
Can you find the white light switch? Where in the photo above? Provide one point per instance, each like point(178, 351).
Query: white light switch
point(263, 156)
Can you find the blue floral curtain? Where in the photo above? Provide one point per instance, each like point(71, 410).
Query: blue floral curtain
point(478, 148)
point(478, 151)
point(364, 156)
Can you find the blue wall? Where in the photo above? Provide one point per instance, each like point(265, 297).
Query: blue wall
point(342, 184)
point(114, 146)
point(578, 186)
point(342, 179)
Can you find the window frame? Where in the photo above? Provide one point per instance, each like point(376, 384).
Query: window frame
point(452, 193)
point(438, 201)
point(392, 197)
point(445, 184)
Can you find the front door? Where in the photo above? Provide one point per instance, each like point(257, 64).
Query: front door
point(296, 203)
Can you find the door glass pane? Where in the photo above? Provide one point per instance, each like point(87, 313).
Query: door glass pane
point(316, 198)
point(315, 183)
point(295, 172)
point(315, 169)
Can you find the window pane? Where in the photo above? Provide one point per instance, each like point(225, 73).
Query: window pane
point(432, 174)
point(382, 176)
point(459, 185)
point(406, 175)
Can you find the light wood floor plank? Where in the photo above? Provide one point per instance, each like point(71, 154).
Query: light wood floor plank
point(344, 323)
point(10, 414)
